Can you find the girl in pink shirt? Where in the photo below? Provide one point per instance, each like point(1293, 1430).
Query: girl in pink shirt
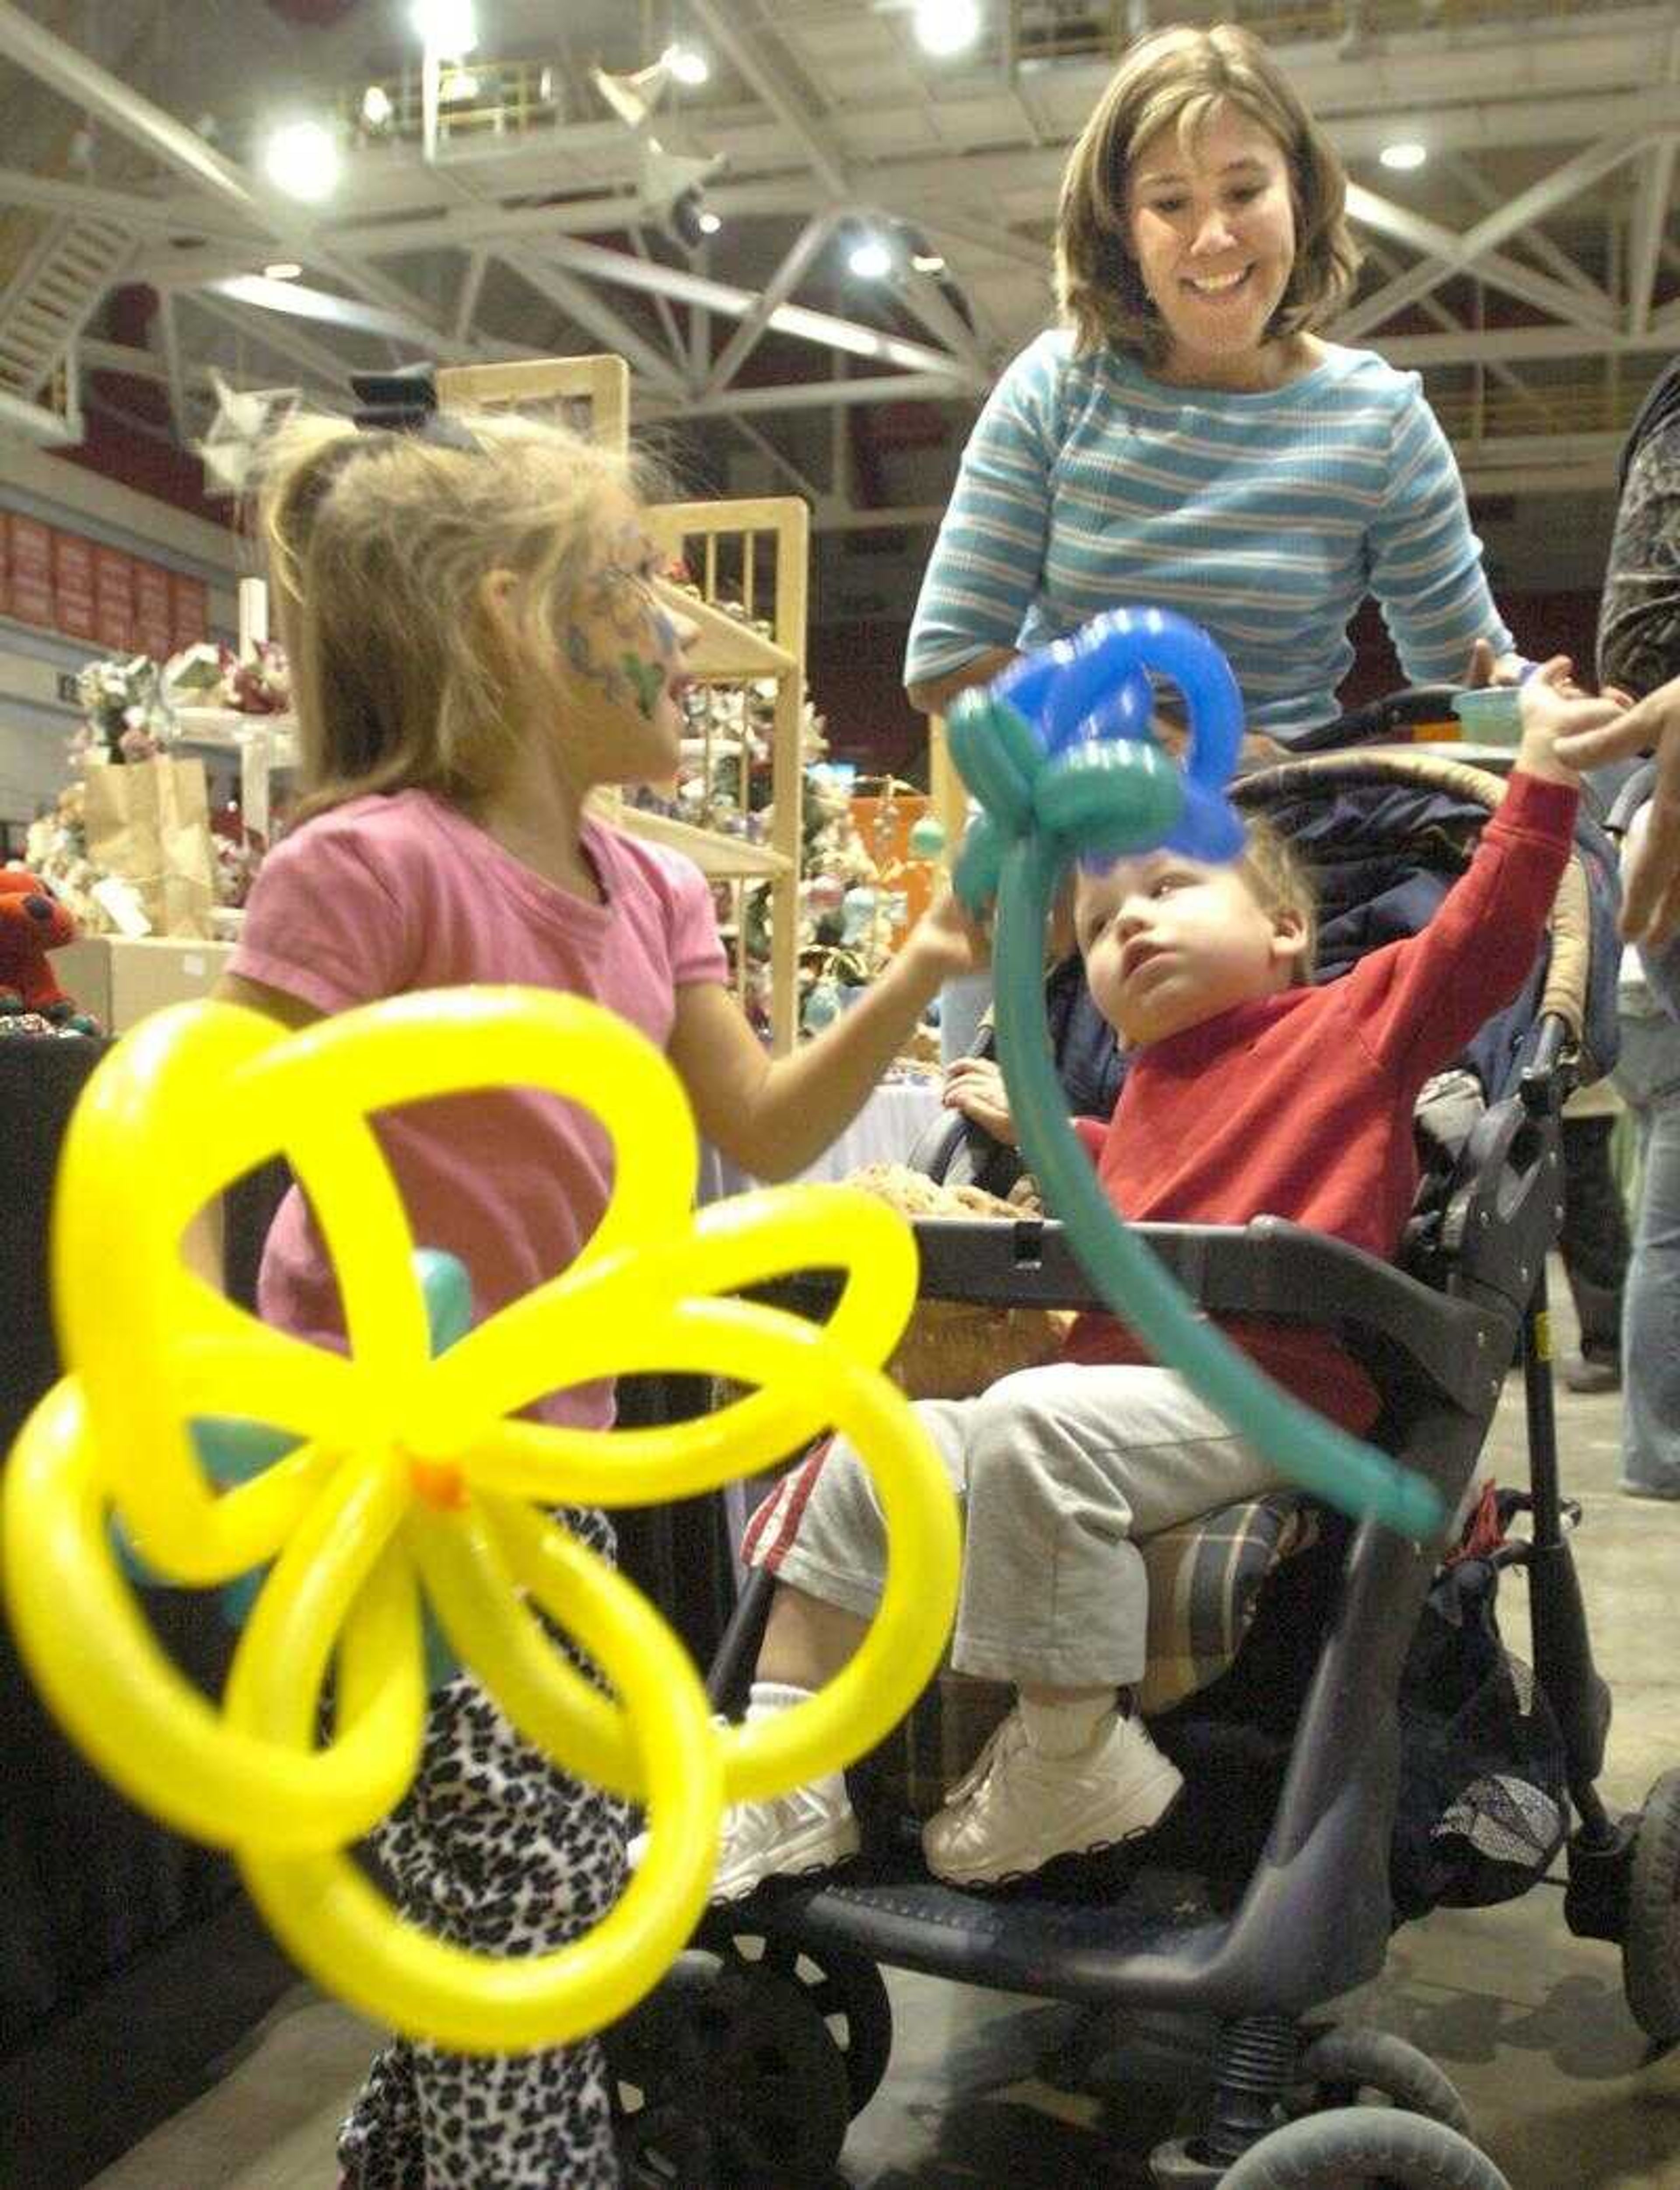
point(476, 646)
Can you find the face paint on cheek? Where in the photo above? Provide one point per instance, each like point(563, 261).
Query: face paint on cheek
point(603, 675)
point(647, 680)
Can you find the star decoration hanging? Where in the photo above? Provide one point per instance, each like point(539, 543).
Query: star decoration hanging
point(244, 416)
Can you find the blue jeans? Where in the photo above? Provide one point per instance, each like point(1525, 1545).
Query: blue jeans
point(1647, 1078)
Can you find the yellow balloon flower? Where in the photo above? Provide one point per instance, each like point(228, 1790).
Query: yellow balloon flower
point(414, 1476)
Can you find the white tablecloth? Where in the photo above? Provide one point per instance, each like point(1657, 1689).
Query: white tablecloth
point(885, 1131)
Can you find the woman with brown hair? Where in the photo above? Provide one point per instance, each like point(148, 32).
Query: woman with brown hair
point(1188, 439)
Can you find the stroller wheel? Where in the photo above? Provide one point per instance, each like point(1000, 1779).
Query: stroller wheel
point(845, 1988)
point(1650, 1947)
point(1364, 2145)
point(1341, 2066)
point(725, 2076)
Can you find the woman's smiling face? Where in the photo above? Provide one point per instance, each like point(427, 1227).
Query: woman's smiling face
point(1212, 227)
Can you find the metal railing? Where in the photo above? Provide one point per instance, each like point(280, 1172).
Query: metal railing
point(1500, 412)
point(1074, 30)
point(475, 99)
point(483, 98)
point(480, 98)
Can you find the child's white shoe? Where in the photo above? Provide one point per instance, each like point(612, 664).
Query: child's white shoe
point(792, 1837)
point(789, 1836)
point(1019, 1807)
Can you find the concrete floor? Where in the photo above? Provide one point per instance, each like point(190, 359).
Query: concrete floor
point(1528, 2023)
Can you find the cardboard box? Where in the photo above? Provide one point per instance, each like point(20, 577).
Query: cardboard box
point(120, 980)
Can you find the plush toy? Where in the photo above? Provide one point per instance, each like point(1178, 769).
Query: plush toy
point(953, 1349)
point(32, 922)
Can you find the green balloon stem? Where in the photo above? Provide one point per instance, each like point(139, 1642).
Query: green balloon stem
point(233, 1450)
point(1300, 1444)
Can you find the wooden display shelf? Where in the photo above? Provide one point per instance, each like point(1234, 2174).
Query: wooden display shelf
point(262, 742)
point(228, 729)
point(726, 649)
point(719, 857)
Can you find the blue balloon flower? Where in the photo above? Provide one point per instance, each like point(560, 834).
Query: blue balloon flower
point(1061, 742)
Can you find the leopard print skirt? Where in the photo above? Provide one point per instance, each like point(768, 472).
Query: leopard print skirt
point(492, 1848)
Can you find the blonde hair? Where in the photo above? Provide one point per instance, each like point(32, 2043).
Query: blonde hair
point(1279, 882)
point(1178, 77)
point(1275, 877)
point(378, 545)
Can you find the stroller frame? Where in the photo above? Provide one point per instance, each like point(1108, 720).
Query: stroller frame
point(1315, 1918)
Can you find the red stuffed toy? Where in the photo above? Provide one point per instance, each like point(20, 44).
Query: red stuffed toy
point(32, 922)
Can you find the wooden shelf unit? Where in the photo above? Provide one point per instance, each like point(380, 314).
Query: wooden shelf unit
point(756, 552)
point(262, 742)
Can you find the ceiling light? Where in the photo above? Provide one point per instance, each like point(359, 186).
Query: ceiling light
point(302, 158)
point(446, 27)
point(1404, 154)
point(686, 65)
point(945, 27)
point(632, 98)
point(927, 262)
point(708, 223)
point(376, 107)
point(672, 187)
point(282, 269)
point(870, 260)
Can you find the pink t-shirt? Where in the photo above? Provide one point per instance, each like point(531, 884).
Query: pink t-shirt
point(388, 894)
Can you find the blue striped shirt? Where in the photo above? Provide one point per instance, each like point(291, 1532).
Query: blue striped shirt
point(1087, 486)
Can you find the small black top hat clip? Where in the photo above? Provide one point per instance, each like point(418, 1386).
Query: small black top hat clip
point(406, 401)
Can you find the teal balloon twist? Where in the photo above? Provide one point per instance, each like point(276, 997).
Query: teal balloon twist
point(232, 1450)
point(1084, 778)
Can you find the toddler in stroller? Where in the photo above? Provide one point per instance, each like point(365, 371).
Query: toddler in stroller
point(1249, 1093)
point(1278, 1675)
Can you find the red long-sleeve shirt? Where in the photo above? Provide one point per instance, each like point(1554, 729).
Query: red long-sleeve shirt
point(1300, 1105)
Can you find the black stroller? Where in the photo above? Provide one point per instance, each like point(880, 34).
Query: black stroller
point(774, 2029)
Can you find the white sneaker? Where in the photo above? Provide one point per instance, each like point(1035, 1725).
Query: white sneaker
point(1017, 1809)
point(792, 1837)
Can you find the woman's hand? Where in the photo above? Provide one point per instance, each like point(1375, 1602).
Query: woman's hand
point(1554, 708)
point(1650, 909)
point(974, 1086)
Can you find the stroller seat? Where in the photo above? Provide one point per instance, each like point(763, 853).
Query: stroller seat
point(1313, 1919)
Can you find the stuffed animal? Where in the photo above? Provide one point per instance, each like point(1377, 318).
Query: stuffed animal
point(32, 922)
point(951, 1349)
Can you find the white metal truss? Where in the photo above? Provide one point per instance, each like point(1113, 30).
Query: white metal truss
point(268, 215)
point(1534, 239)
point(322, 368)
point(825, 328)
point(781, 286)
point(740, 30)
point(54, 293)
point(1476, 249)
point(587, 308)
point(837, 120)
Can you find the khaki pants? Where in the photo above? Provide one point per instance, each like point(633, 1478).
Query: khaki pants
point(1059, 1471)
